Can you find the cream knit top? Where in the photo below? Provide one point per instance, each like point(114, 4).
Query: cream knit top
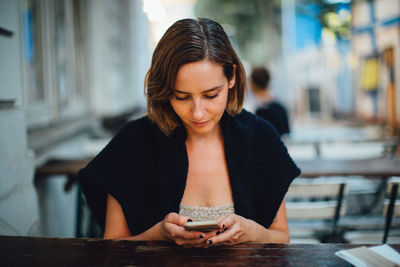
point(205, 213)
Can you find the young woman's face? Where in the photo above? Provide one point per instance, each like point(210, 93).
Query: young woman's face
point(201, 94)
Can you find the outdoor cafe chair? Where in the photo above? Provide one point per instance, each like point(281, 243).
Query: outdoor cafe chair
point(317, 199)
point(391, 207)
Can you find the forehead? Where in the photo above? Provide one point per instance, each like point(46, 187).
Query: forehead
point(200, 75)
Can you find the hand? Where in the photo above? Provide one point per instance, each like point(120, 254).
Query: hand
point(234, 230)
point(171, 229)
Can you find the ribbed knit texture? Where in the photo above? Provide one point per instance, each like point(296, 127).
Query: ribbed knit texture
point(146, 171)
point(201, 213)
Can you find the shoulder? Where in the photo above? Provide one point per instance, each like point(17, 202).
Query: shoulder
point(134, 140)
point(124, 167)
point(277, 105)
point(142, 124)
point(249, 133)
point(130, 153)
point(256, 144)
point(136, 131)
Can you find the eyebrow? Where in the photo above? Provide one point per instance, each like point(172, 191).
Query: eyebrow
point(205, 91)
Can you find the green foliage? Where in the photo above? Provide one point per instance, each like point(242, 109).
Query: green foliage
point(249, 20)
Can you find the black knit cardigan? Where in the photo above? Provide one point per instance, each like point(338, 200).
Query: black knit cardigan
point(146, 171)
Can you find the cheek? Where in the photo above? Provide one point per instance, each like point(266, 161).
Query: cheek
point(218, 106)
point(178, 107)
point(174, 106)
point(223, 101)
point(222, 105)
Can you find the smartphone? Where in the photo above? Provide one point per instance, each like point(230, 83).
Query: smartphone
point(203, 226)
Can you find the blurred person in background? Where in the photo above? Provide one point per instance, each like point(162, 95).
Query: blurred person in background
point(196, 155)
point(267, 107)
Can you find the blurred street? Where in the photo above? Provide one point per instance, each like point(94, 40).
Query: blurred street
point(73, 73)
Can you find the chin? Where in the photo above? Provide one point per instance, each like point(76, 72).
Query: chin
point(204, 130)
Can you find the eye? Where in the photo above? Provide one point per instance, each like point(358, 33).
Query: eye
point(211, 96)
point(181, 98)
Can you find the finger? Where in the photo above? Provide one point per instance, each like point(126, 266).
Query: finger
point(199, 242)
point(210, 234)
point(207, 235)
point(227, 221)
point(220, 221)
point(175, 218)
point(192, 235)
point(176, 231)
point(226, 237)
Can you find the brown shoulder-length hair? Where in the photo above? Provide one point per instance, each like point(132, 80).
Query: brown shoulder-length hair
point(189, 40)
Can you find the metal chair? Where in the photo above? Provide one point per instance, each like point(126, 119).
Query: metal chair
point(317, 198)
point(390, 207)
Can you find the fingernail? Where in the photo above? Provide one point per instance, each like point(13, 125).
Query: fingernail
point(218, 232)
point(209, 242)
point(201, 236)
point(189, 220)
point(223, 226)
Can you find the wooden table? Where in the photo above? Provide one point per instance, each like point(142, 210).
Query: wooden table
point(317, 141)
point(35, 251)
point(68, 167)
point(381, 167)
point(378, 167)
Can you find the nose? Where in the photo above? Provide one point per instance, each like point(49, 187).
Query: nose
point(198, 109)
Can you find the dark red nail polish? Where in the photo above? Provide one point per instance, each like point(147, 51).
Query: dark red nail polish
point(218, 232)
point(189, 220)
point(201, 236)
point(223, 226)
point(209, 242)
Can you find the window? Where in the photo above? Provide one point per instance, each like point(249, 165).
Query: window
point(55, 68)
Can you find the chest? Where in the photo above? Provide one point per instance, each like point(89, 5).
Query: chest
point(207, 182)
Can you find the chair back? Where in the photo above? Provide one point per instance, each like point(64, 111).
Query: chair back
point(389, 189)
point(391, 207)
point(318, 198)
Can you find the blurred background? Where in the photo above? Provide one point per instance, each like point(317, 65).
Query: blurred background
point(72, 72)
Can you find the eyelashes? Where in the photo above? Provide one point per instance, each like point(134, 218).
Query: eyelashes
point(187, 97)
point(181, 98)
point(211, 96)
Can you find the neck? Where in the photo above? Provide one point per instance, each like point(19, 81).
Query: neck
point(213, 135)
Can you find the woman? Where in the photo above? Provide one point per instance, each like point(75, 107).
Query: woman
point(196, 155)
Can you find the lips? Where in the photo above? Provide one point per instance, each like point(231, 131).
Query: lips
point(199, 124)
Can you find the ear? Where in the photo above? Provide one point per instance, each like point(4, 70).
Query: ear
point(232, 82)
